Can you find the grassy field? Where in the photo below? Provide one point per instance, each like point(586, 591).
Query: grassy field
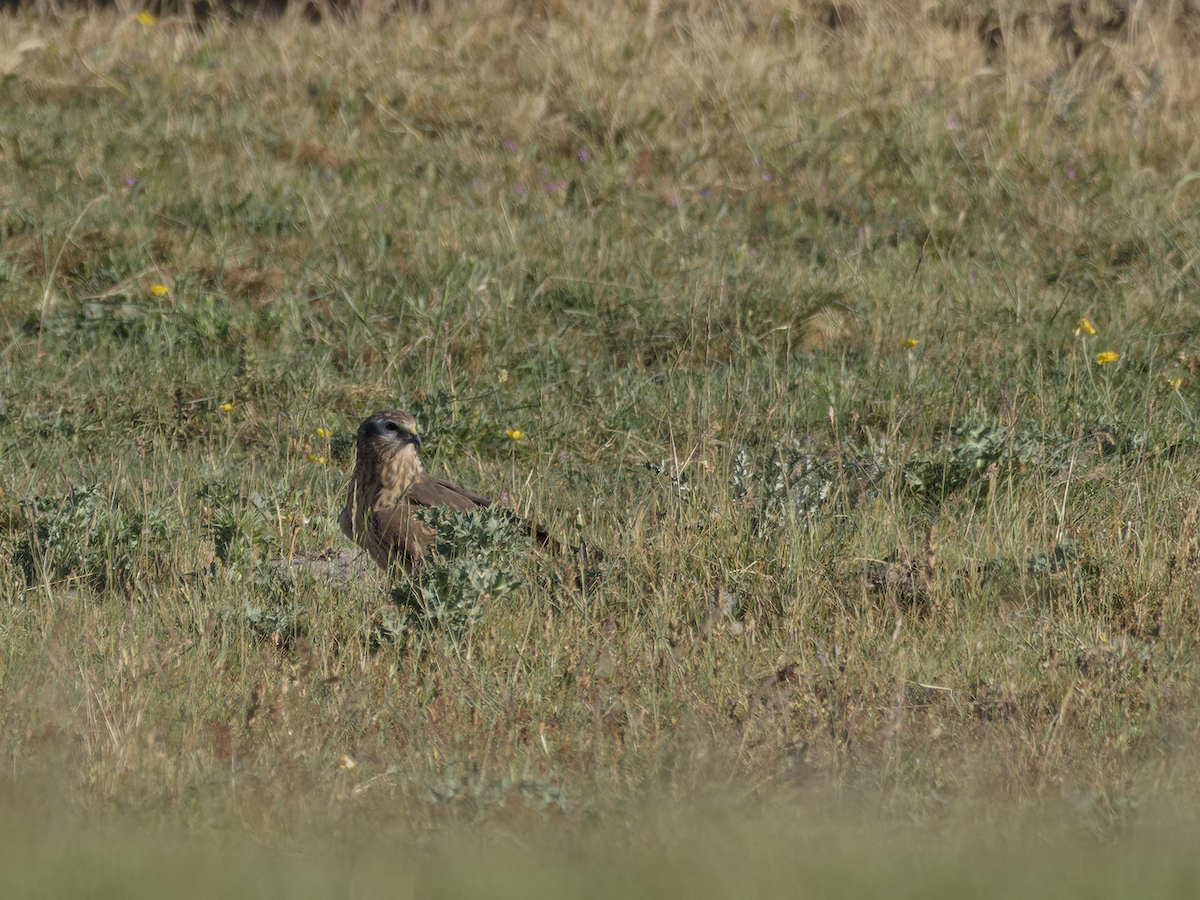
point(862, 340)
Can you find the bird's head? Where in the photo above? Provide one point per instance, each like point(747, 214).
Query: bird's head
point(387, 432)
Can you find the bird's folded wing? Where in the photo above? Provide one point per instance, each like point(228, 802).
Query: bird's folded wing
point(395, 535)
point(411, 537)
point(439, 492)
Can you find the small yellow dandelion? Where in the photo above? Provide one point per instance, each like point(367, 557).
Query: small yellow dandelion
point(910, 342)
point(1175, 383)
point(1083, 326)
point(146, 18)
point(321, 432)
point(514, 434)
point(347, 762)
point(226, 406)
point(319, 460)
point(1106, 357)
point(158, 290)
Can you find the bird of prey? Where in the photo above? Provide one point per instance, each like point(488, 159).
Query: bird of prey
point(389, 486)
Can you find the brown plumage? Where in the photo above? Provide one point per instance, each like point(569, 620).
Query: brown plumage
point(389, 486)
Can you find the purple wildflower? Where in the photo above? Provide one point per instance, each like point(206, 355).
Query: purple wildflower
point(583, 154)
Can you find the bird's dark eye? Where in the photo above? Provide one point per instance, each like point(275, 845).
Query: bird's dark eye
point(392, 426)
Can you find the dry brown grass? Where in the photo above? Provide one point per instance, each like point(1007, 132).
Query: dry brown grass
point(633, 321)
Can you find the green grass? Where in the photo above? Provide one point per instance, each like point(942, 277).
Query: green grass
point(686, 256)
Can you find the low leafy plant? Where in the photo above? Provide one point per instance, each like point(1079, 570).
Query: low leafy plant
point(240, 526)
point(269, 604)
point(89, 535)
point(795, 483)
point(968, 453)
point(475, 559)
point(799, 483)
point(280, 620)
point(964, 455)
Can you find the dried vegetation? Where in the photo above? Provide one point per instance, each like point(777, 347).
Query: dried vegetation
point(783, 299)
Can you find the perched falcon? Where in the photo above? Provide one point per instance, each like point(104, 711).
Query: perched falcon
point(389, 486)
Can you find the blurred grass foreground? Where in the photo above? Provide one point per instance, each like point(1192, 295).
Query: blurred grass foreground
point(861, 338)
point(760, 861)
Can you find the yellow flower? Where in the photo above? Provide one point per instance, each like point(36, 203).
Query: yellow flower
point(1083, 326)
point(319, 460)
point(146, 18)
point(158, 290)
point(514, 435)
point(347, 762)
point(226, 406)
point(910, 342)
point(1106, 357)
point(1175, 383)
point(321, 432)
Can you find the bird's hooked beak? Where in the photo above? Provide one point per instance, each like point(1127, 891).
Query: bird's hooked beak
point(394, 432)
